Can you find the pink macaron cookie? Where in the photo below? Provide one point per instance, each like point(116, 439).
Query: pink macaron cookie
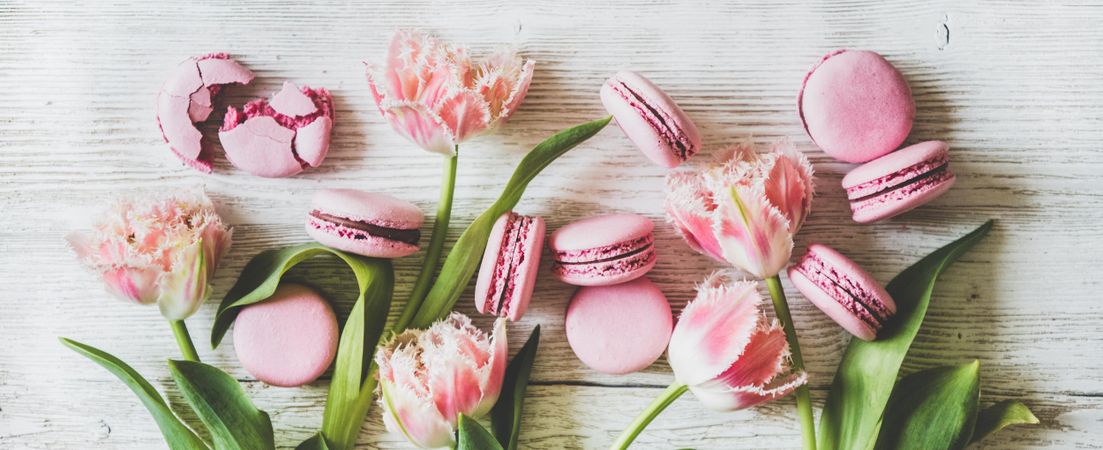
point(289, 339)
point(657, 125)
point(899, 182)
point(603, 250)
point(365, 223)
point(621, 328)
point(856, 106)
point(510, 265)
point(842, 290)
point(279, 137)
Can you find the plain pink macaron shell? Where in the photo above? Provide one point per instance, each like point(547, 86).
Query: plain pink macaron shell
point(639, 130)
point(370, 207)
point(856, 106)
point(262, 147)
point(524, 274)
point(597, 232)
point(896, 162)
point(289, 339)
point(621, 328)
point(828, 304)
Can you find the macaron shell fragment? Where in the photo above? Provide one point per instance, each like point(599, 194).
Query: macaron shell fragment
point(289, 339)
point(619, 329)
point(288, 128)
point(262, 147)
point(650, 119)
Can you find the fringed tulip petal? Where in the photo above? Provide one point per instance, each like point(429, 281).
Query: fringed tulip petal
point(753, 234)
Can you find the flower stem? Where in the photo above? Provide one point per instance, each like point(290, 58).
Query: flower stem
point(804, 402)
point(183, 339)
point(436, 244)
point(652, 411)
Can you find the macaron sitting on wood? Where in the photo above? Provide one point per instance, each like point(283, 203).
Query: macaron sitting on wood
point(842, 290)
point(603, 250)
point(281, 136)
point(651, 119)
point(510, 265)
point(365, 223)
point(621, 328)
point(289, 339)
point(899, 181)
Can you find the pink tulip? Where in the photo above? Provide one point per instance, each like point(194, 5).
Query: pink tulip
point(433, 93)
point(726, 351)
point(156, 250)
point(745, 209)
point(429, 377)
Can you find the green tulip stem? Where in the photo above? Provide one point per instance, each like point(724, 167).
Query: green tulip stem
point(436, 244)
point(652, 411)
point(183, 339)
point(804, 402)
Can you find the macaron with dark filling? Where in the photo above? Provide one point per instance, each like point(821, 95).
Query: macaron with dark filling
point(510, 265)
point(842, 290)
point(899, 182)
point(603, 250)
point(365, 223)
point(651, 119)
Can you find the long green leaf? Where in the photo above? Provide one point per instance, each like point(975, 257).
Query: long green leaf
point(933, 409)
point(460, 265)
point(177, 435)
point(223, 407)
point(868, 371)
point(1001, 415)
point(316, 442)
point(505, 417)
point(472, 436)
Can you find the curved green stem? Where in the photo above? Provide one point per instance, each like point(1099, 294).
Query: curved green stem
point(436, 244)
point(804, 402)
point(183, 339)
point(652, 411)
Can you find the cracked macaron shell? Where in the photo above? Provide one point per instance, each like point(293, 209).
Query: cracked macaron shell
point(510, 266)
point(371, 208)
point(843, 291)
point(621, 328)
point(650, 119)
point(899, 182)
point(187, 97)
point(603, 250)
point(279, 137)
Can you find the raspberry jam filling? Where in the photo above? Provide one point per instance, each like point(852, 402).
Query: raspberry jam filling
point(394, 234)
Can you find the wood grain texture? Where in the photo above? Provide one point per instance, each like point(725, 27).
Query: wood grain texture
point(1012, 86)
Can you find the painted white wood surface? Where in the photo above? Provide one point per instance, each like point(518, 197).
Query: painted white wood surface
point(1014, 87)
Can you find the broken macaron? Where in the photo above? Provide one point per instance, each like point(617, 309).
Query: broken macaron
point(282, 136)
point(187, 98)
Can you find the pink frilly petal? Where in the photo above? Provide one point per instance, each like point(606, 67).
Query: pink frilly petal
point(421, 127)
point(405, 412)
point(465, 113)
point(788, 185)
point(753, 234)
point(690, 209)
point(713, 331)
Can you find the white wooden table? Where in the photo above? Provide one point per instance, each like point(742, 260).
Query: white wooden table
point(1014, 87)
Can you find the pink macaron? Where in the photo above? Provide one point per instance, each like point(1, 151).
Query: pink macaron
point(289, 339)
point(843, 291)
point(510, 265)
point(621, 328)
point(187, 98)
point(279, 137)
point(603, 250)
point(856, 106)
point(365, 223)
point(657, 125)
point(899, 182)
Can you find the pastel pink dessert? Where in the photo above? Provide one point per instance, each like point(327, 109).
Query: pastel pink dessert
point(856, 106)
point(289, 339)
point(187, 98)
point(899, 182)
point(621, 328)
point(282, 136)
point(365, 223)
point(651, 119)
point(603, 250)
point(843, 291)
point(510, 265)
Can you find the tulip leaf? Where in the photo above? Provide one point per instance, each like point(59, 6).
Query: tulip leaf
point(865, 377)
point(463, 259)
point(1001, 415)
point(472, 436)
point(177, 435)
point(933, 409)
point(506, 414)
point(315, 442)
point(223, 407)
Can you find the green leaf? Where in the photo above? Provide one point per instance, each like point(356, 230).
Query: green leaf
point(506, 414)
point(463, 258)
point(865, 377)
point(177, 435)
point(933, 409)
point(1001, 415)
point(472, 436)
point(316, 442)
point(222, 406)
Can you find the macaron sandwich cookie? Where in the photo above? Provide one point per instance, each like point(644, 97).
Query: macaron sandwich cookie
point(856, 106)
point(510, 265)
point(289, 339)
point(843, 291)
point(621, 328)
point(281, 136)
point(603, 250)
point(365, 223)
point(898, 182)
point(661, 130)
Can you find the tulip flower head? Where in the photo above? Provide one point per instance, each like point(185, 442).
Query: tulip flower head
point(429, 377)
point(433, 93)
point(156, 250)
point(727, 352)
point(745, 209)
